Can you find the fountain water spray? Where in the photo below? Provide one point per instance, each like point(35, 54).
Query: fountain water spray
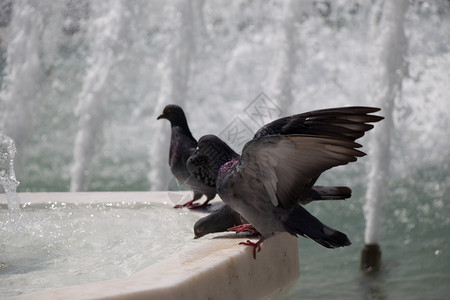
point(7, 176)
point(104, 31)
point(177, 71)
point(393, 46)
point(23, 67)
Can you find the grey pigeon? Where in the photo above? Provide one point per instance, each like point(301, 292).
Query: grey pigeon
point(280, 165)
point(182, 146)
point(226, 219)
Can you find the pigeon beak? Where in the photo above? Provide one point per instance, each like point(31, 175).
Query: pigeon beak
point(196, 237)
point(161, 116)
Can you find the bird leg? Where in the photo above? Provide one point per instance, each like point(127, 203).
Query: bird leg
point(256, 246)
point(243, 228)
point(196, 205)
point(192, 205)
point(187, 204)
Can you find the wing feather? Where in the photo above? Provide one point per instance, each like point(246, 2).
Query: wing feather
point(289, 165)
point(349, 123)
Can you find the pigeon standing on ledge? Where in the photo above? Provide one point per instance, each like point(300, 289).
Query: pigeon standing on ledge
point(182, 146)
point(280, 166)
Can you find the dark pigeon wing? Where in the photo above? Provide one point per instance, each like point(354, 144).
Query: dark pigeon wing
point(204, 163)
point(200, 167)
point(347, 123)
point(289, 165)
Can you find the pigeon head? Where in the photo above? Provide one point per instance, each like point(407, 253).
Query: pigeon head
point(174, 114)
point(218, 221)
point(202, 228)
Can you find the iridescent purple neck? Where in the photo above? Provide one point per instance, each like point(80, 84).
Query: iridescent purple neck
point(226, 167)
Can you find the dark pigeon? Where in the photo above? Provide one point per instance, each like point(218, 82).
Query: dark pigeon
point(221, 220)
point(226, 219)
point(182, 146)
point(280, 166)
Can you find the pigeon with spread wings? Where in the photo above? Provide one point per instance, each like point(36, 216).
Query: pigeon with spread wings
point(280, 165)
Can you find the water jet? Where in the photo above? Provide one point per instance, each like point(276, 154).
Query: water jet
point(8, 179)
point(393, 44)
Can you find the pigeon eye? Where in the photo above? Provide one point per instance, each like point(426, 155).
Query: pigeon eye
point(200, 229)
point(202, 143)
point(169, 110)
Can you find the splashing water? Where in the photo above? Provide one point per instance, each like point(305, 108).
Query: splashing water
point(7, 176)
point(22, 69)
point(100, 73)
point(92, 101)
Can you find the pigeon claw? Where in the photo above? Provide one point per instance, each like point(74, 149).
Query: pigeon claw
point(243, 228)
point(196, 205)
point(187, 204)
point(192, 205)
point(256, 246)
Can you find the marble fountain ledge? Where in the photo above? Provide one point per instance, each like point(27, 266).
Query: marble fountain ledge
point(214, 268)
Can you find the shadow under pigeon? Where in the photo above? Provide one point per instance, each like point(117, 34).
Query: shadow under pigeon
point(232, 235)
point(212, 207)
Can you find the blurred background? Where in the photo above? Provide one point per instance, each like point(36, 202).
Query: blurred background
point(82, 83)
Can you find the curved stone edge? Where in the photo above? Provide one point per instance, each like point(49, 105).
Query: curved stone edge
point(215, 268)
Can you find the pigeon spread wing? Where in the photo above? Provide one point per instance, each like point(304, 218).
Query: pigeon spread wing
point(289, 165)
point(347, 123)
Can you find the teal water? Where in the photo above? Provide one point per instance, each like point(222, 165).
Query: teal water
point(415, 244)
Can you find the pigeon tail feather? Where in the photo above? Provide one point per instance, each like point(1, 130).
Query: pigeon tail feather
point(300, 221)
point(330, 193)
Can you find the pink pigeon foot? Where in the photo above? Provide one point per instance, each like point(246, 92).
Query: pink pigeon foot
point(255, 246)
point(187, 204)
point(196, 205)
point(192, 205)
point(243, 228)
